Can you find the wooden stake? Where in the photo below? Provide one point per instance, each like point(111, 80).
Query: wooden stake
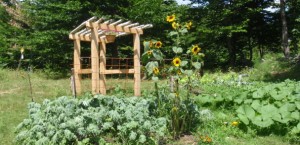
point(137, 65)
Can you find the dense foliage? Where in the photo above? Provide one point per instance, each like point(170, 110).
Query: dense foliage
point(269, 108)
point(81, 121)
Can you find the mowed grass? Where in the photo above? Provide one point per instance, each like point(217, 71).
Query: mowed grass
point(15, 94)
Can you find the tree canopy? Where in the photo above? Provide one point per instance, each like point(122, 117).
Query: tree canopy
point(229, 32)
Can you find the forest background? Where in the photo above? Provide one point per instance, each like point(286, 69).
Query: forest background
point(230, 33)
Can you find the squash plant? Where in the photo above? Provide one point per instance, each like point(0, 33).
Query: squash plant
point(271, 104)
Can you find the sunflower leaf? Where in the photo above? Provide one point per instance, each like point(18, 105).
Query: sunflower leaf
point(177, 49)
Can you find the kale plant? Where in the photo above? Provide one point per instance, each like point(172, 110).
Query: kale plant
point(91, 121)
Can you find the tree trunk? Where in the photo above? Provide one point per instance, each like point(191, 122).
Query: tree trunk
point(284, 43)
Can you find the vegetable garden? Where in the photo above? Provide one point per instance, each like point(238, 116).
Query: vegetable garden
point(182, 105)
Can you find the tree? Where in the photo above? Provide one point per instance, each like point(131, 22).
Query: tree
point(285, 39)
point(8, 38)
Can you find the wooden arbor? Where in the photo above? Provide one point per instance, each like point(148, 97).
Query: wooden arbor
point(94, 30)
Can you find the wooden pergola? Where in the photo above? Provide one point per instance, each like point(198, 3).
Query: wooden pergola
point(94, 30)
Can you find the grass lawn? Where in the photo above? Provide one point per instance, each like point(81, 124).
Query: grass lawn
point(15, 95)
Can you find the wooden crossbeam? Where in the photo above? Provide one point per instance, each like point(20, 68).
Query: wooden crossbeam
point(119, 71)
point(113, 71)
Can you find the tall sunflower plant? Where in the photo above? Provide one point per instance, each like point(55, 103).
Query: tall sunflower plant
point(183, 72)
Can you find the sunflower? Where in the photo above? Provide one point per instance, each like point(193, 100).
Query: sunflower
point(151, 44)
point(171, 18)
point(234, 123)
point(175, 25)
point(208, 139)
point(158, 44)
point(155, 71)
point(188, 25)
point(176, 61)
point(22, 50)
point(149, 52)
point(195, 49)
point(179, 72)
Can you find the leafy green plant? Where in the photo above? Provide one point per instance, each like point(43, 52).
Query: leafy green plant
point(72, 121)
point(270, 105)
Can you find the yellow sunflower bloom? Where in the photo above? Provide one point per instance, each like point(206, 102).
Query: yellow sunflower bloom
point(171, 18)
point(179, 72)
point(195, 49)
point(208, 139)
point(234, 123)
point(149, 52)
point(188, 25)
point(155, 71)
point(151, 44)
point(175, 25)
point(176, 61)
point(158, 44)
point(22, 50)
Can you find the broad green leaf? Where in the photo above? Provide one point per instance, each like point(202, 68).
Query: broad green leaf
point(258, 94)
point(188, 72)
point(183, 63)
point(177, 49)
point(297, 103)
point(145, 57)
point(146, 45)
point(241, 110)
point(205, 99)
point(276, 96)
point(289, 107)
point(183, 31)
point(243, 118)
point(268, 111)
point(250, 113)
point(157, 55)
point(154, 78)
point(197, 65)
point(248, 101)
point(172, 33)
point(245, 112)
point(285, 113)
point(296, 115)
point(278, 103)
point(259, 121)
point(256, 105)
point(296, 129)
point(238, 100)
point(277, 117)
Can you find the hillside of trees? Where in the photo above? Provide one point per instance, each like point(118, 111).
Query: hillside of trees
point(230, 33)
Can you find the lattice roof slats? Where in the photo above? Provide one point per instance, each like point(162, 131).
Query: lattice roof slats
point(116, 22)
point(83, 31)
point(100, 20)
point(82, 24)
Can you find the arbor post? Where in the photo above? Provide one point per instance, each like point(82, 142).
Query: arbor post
point(95, 58)
point(137, 64)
